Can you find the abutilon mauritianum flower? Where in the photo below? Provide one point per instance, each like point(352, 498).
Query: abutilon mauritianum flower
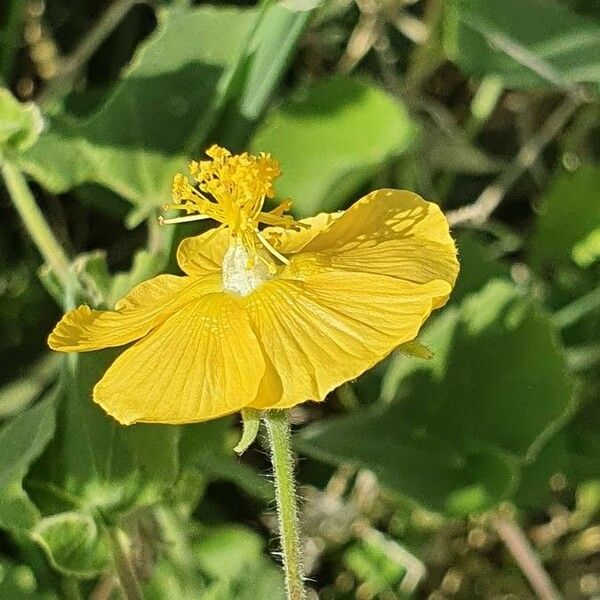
point(271, 311)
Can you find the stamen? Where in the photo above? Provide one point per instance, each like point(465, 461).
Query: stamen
point(172, 221)
point(270, 248)
point(232, 190)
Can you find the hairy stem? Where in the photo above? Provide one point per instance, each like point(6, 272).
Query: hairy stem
point(124, 566)
point(34, 221)
point(278, 429)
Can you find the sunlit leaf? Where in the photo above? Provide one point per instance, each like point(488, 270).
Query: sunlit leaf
point(453, 436)
point(330, 139)
point(268, 54)
point(569, 215)
point(156, 115)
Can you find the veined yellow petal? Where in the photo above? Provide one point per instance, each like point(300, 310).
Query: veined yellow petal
point(152, 291)
point(290, 240)
point(270, 389)
point(145, 307)
point(201, 363)
point(394, 233)
point(203, 254)
point(332, 326)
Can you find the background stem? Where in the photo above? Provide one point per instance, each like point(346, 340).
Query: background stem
point(124, 566)
point(10, 34)
point(70, 66)
point(35, 222)
point(518, 545)
point(278, 429)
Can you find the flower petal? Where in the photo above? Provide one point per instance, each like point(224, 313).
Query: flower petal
point(152, 291)
point(270, 390)
point(289, 241)
point(145, 307)
point(332, 326)
point(394, 233)
point(201, 363)
point(203, 254)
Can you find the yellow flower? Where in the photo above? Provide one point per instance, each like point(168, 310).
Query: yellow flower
point(271, 312)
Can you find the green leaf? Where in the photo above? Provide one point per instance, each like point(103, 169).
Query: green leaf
point(534, 488)
point(225, 562)
point(98, 461)
point(20, 124)
point(372, 565)
point(233, 558)
point(157, 115)
point(268, 54)
point(155, 449)
point(22, 440)
point(583, 443)
point(176, 576)
point(88, 456)
point(73, 544)
point(330, 139)
point(414, 463)
point(272, 49)
point(18, 582)
point(208, 447)
point(478, 266)
point(586, 252)
point(452, 152)
point(569, 215)
point(460, 427)
point(21, 392)
point(528, 43)
point(145, 265)
point(224, 552)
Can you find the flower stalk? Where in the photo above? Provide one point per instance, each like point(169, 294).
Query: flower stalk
point(278, 431)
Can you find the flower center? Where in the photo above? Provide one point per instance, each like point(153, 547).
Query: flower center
point(241, 273)
point(232, 189)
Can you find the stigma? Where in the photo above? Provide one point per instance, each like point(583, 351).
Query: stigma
point(243, 273)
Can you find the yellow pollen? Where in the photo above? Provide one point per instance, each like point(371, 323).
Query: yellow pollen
point(232, 189)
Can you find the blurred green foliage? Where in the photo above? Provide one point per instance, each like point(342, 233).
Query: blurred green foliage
point(489, 108)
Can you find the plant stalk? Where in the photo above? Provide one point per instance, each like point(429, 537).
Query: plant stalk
point(278, 430)
point(10, 36)
point(124, 566)
point(35, 222)
point(529, 563)
point(70, 66)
